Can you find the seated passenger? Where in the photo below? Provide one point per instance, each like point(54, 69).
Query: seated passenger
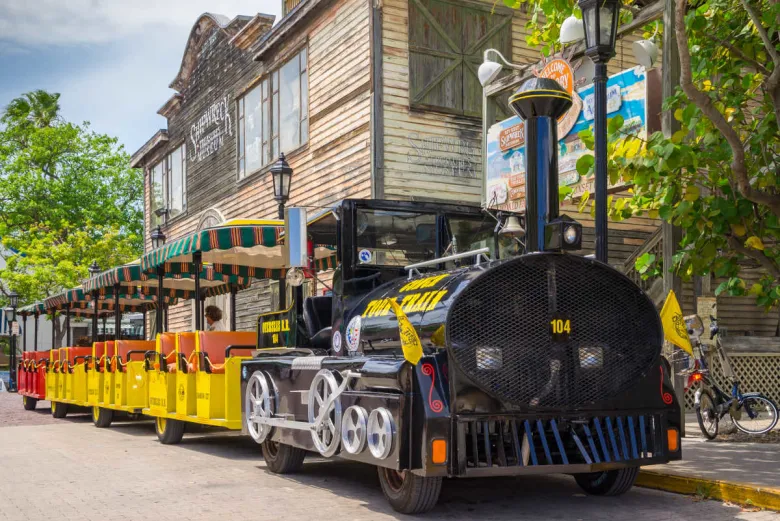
point(213, 316)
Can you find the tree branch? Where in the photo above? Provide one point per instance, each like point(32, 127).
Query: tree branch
point(767, 263)
point(704, 103)
point(772, 83)
point(742, 56)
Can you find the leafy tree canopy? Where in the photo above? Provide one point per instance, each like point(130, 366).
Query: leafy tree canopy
point(67, 197)
point(716, 177)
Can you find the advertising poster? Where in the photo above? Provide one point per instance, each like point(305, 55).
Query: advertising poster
point(627, 95)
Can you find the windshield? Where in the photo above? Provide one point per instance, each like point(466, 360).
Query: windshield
point(393, 238)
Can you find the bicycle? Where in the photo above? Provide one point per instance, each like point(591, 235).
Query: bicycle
point(751, 413)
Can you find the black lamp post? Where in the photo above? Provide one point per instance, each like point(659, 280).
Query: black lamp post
point(94, 270)
point(158, 240)
point(601, 19)
point(281, 174)
point(10, 315)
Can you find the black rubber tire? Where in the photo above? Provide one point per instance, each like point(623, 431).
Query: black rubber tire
point(102, 417)
point(29, 403)
point(609, 482)
point(169, 432)
point(281, 458)
point(59, 410)
point(408, 493)
point(700, 419)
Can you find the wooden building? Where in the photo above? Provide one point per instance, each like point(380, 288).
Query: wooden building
point(366, 98)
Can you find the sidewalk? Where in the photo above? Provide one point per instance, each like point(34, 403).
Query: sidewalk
point(744, 473)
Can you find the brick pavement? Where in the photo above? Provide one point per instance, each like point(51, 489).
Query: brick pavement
point(70, 470)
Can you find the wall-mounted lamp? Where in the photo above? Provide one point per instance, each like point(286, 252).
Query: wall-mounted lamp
point(489, 70)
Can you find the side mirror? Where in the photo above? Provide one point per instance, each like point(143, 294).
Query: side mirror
point(296, 252)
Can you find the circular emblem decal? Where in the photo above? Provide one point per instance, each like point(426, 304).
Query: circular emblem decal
point(353, 333)
point(364, 256)
point(336, 341)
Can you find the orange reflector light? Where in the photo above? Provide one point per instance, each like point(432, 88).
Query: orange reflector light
point(673, 440)
point(696, 377)
point(439, 451)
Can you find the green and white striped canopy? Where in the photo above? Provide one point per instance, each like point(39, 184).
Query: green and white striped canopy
point(178, 283)
point(31, 309)
point(242, 250)
point(80, 302)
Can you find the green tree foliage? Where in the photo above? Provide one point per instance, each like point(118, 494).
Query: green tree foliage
point(717, 176)
point(67, 197)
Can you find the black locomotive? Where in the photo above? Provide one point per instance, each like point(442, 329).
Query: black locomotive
point(537, 361)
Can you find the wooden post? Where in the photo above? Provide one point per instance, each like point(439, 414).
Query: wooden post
point(489, 109)
point(672, 235)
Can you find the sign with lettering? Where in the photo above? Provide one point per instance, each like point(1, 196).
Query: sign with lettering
point(445, 156)
point(627, 94)
point(207, 134)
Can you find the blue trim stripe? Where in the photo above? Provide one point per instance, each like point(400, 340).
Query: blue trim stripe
point(604, 448)
point(642, 435)
point(622, 433)
point(540, 429)
point(581, 447)
point(591, 443)
point(530, 437)
point(561, 448)
point(613, 443)
point(517, 445)
point(632, 432)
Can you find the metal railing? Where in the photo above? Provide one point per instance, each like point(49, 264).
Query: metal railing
point(653, 245)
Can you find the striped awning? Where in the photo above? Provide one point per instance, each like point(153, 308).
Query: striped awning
point(178, 283)
point(80, 302)
point(256, 246)
point(37, 307)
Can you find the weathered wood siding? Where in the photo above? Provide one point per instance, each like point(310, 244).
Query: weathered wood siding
point(333, 165)
point(433, 154)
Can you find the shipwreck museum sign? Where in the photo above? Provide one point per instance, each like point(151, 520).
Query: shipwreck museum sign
point(634, 94)
point(207, 134)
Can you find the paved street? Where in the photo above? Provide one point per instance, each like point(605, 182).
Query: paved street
point(69, 470)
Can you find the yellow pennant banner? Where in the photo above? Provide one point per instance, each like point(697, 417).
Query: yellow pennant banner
point(410, 342)
point(675, 330)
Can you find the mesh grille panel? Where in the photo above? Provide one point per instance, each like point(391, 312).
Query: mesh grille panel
point(500, 335)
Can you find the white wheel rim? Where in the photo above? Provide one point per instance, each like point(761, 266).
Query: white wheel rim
point(325, 434)
point(353, 429)
point(259, 404)
point(381, 429)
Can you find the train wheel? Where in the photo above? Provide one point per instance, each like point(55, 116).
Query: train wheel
point(408, 493)
point(281, 458)
point(169, 432)
point(102, 417)
point(29, 403)
point(59, 410)
point(609, 482)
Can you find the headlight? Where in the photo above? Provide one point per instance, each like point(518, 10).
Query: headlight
point(570, 234)
point(591, 357)
point(489, 358)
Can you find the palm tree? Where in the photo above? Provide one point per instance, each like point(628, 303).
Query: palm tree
point(38, 108)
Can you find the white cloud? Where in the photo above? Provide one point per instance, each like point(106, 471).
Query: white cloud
point(58, 22)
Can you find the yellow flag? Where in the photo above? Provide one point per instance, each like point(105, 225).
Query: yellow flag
point(410, 342)
point(675, 329)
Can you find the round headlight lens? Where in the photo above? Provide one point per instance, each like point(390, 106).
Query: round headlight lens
point(570, 234)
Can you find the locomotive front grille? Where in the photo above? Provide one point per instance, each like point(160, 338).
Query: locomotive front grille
point(552, 331)
point(528, 442)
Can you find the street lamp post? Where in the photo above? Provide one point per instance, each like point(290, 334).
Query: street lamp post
point(601, 19)
point(158, 240)
point(10, 315)
point(94, 270)
point(281, 174)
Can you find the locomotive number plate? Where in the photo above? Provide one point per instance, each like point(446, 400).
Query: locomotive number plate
point(560, 328)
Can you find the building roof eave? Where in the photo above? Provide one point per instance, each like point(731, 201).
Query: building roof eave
point(160, 137)
point(289, 23)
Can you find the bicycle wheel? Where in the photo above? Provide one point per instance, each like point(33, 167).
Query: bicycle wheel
point(707, 415)
point(757, 415)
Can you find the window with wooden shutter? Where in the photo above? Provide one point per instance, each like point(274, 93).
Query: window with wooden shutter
point(446, 42)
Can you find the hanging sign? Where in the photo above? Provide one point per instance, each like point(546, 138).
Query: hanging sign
point(629, 94)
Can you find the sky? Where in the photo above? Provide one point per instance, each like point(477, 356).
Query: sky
point(111, 60)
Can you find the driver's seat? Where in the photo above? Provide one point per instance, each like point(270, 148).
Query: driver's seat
point(318, 316)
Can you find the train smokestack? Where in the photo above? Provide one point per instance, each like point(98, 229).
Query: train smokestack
point(540, 102)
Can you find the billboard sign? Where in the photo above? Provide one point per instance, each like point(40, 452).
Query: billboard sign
point(627, 95)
